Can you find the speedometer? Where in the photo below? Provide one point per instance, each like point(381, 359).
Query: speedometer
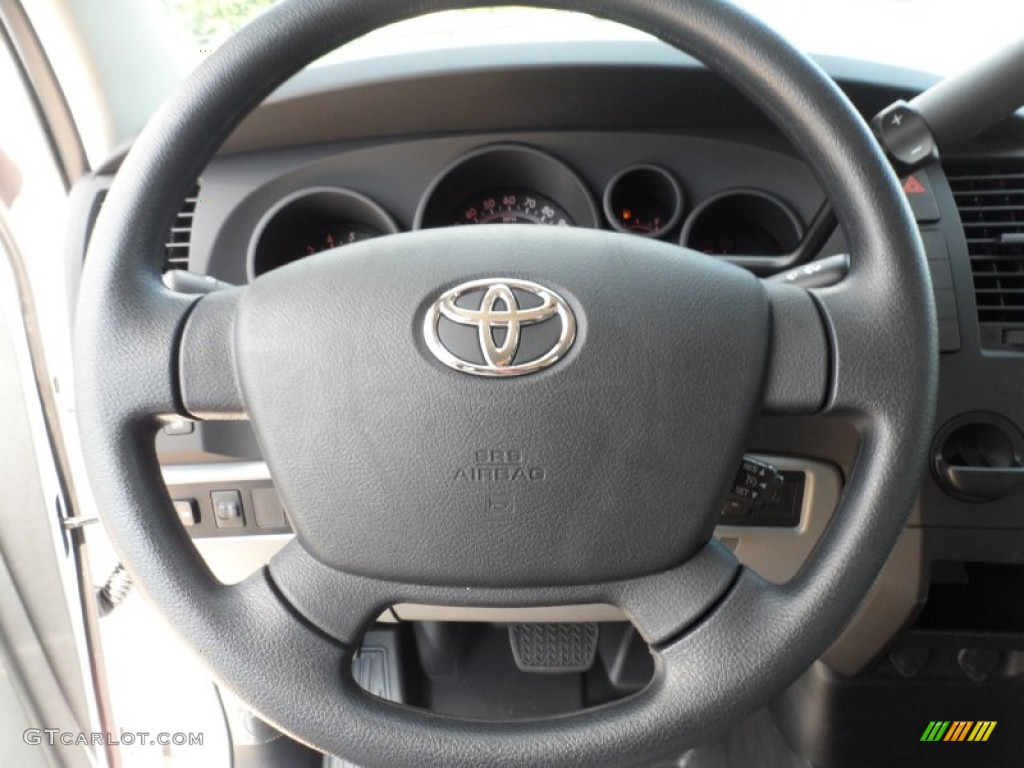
point(506, 184)
point(512, 207)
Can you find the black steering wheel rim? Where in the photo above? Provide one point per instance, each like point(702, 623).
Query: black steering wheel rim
point(728, 650)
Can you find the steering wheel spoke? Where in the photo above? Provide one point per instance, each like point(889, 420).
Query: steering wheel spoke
point(664, 605)
point(142, 332)
point(207, 379)
point(661, 605)
point(798, 373)
point(872, 329)
point(340, 605)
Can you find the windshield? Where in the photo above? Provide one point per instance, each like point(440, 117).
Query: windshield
point(937, 36)
point(119, 65)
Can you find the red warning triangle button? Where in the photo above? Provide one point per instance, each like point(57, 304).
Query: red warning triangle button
point(912, 186)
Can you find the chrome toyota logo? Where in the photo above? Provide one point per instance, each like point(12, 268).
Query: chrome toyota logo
point(499, 327)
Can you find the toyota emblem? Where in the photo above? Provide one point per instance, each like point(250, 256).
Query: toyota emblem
point(499, 327)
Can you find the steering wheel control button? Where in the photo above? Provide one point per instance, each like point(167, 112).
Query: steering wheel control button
point(187, 512)
point(762, 496)
point(227, 509)
point(757, 483)
point(499, 327)
point(267, 508)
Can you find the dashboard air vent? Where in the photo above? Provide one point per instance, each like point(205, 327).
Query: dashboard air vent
point(990, 197)
point(180, 237)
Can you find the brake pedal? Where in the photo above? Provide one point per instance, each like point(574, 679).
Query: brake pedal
point(554, 648)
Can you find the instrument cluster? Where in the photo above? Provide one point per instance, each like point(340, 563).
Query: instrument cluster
point(520, 184)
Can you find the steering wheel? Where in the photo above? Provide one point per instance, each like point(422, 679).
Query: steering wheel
point(623, 376)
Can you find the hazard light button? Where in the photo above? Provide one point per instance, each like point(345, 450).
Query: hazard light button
point(918, 189)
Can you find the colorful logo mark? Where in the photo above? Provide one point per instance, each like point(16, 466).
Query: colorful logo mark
point(958, 730)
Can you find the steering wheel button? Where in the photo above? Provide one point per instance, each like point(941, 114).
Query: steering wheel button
point(756, 484)
point(227, 509)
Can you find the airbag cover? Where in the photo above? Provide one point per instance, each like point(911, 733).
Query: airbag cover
point(610, 463)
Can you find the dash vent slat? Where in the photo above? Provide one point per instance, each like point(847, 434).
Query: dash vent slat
point(990, 197)
point(179, 237)
point(179, 240)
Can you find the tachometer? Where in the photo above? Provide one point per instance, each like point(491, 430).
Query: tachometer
point(314, 220)
point(512, 207)
point(323, 238)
